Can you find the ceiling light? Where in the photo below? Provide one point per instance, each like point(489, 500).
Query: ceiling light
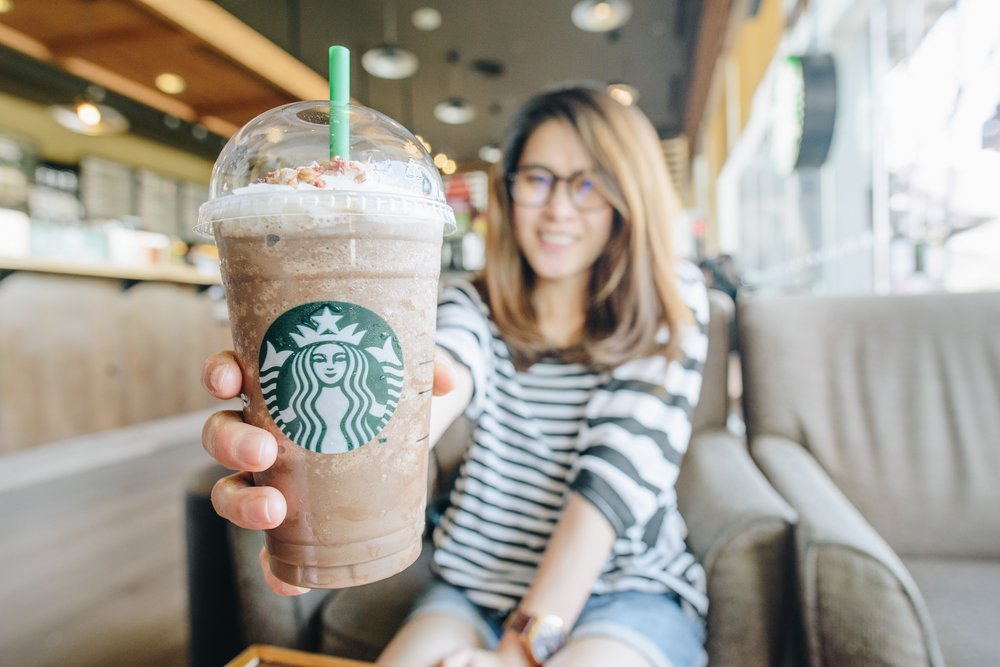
point(454, 111)
point(170, 83)
point(440, 159)
point(449, 167)
point(89, 118)
point(423, 142)
point(6, 6)
point(625, 94)
point(426, 19)
point(389, 61)
point(490, 153)
point(601, 15)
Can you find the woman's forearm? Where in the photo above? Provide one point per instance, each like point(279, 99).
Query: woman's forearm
point(573, 560)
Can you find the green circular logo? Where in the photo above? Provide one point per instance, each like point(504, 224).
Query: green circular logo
point(332, 374)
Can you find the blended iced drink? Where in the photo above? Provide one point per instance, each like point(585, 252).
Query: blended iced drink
point(330, 268)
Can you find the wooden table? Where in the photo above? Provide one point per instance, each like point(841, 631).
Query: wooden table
point(262, 655)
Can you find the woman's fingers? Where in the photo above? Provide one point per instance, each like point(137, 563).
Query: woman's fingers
point(237, 445)
point(248, 506)
point(275, 584)
point(444, 373)
point(221, 375)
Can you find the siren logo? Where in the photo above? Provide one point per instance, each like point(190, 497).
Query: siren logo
point(332, 375)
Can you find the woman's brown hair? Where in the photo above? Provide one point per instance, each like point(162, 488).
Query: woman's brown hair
point(633, 291)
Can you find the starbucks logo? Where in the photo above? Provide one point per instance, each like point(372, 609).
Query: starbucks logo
point(332, 375)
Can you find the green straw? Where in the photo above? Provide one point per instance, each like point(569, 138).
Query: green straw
point(340, 97)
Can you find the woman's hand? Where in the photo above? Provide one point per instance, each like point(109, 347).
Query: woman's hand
point(249, 449)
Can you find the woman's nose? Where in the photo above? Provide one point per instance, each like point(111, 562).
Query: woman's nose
point(560, 199)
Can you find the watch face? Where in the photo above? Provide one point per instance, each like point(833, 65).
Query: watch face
point(546, 638)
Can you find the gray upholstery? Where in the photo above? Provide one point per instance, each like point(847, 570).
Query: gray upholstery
point(878, 419)
point(739, 526)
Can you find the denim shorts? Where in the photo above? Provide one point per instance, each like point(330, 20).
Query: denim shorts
point(651, 623)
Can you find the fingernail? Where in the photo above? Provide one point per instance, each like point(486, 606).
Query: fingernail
point(219, 377)
point(250, 450)
point(261, 509)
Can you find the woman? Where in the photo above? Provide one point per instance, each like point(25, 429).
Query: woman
point(577, 355)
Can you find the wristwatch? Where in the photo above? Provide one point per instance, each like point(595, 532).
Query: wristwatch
point(540, 634)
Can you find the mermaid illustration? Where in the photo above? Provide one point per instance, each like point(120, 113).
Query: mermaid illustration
point(331, 394)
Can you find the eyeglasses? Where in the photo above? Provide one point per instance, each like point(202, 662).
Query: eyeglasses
point(534, 186)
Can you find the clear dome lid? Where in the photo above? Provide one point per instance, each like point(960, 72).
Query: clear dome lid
point(290, 146)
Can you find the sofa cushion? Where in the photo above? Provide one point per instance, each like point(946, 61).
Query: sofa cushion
point(896, 397)
point(963, 597)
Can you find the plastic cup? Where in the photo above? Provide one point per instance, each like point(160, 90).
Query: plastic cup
point(331, 275)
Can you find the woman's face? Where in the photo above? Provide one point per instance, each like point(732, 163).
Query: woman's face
point(560, 241)
point(329, 361)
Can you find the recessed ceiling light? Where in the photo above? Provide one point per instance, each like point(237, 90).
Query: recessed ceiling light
point(426, 18)
point(389, 61)
point(601, 15)
point(449, 167)
point(170, 83)
point(454, 111)
point(6, 6)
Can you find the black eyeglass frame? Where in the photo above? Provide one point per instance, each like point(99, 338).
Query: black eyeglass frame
point(600, 187)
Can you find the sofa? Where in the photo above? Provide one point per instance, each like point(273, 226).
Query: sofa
point(741, 529)
point(878, 419)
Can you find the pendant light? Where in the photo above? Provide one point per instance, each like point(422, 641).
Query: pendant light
point(89, 115)
point(389, 60)
point(601, 15)
point(454, 110)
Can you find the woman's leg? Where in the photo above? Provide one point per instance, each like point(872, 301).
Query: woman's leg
point(633, 629)
point(428, 638)
point(597, 652)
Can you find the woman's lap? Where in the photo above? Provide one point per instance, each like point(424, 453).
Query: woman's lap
point(652, 624)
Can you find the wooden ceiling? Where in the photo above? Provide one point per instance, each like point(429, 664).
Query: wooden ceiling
point(235, 55)
point(122, 45)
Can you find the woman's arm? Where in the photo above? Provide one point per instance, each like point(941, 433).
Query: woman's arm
point(574, 558)
point(447, 407)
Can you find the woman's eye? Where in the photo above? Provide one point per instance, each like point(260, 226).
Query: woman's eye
point(318, 358)
point(339, 358)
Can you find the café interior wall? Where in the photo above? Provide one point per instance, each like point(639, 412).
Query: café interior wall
point(57, 144)
point(739, 71)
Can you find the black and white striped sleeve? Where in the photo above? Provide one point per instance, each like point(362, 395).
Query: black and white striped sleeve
point(638, 425)
point(463, 330)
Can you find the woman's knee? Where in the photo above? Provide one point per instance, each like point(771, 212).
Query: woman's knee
point(427, 639)
point(597, 652)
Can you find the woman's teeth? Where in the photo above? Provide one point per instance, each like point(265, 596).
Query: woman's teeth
point(557, 239)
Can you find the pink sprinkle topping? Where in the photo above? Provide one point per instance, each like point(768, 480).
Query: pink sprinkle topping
point(312, 174)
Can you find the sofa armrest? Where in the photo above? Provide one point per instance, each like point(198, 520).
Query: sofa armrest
point(740, 529)
point(859, 603)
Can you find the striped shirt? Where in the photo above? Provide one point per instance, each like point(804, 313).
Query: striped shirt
point(615, 437)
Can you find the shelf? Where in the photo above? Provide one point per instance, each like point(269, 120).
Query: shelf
point(171, 273)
